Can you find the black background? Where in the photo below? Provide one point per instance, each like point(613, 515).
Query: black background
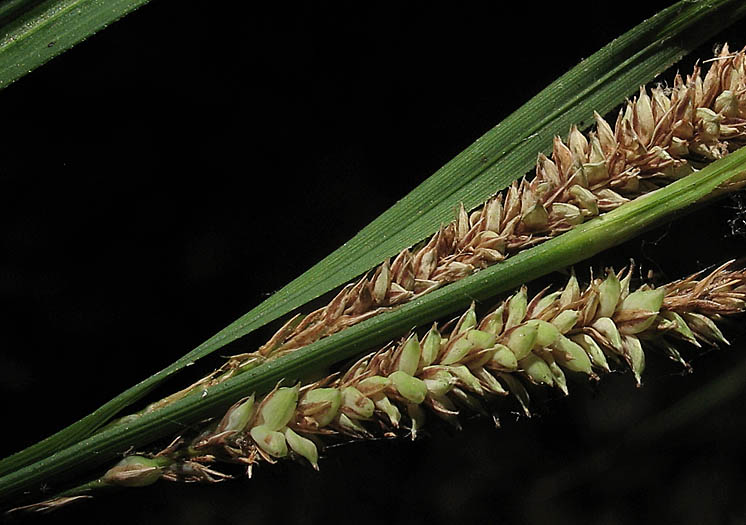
point(168, 174)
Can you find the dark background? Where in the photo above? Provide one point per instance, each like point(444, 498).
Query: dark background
point(165, 176)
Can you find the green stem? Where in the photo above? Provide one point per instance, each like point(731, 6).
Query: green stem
point(580, 243)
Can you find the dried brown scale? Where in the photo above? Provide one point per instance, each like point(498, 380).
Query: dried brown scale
point(465, 367)
point(657, 137)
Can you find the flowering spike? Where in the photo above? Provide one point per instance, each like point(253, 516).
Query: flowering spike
point(534, 350)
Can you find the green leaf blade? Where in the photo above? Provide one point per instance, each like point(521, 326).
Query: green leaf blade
point(34, 32)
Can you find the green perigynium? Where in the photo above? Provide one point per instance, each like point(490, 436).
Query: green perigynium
point(136, 471)
point(321, 403)
point(238, 417)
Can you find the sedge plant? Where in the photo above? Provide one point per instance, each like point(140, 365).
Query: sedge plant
point(586, 175)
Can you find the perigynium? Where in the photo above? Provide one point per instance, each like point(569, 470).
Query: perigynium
point(477, 363)
point(661, 135)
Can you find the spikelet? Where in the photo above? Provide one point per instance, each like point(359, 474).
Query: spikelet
point(519, 346)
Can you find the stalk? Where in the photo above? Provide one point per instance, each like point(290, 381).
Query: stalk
point(582, 242)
